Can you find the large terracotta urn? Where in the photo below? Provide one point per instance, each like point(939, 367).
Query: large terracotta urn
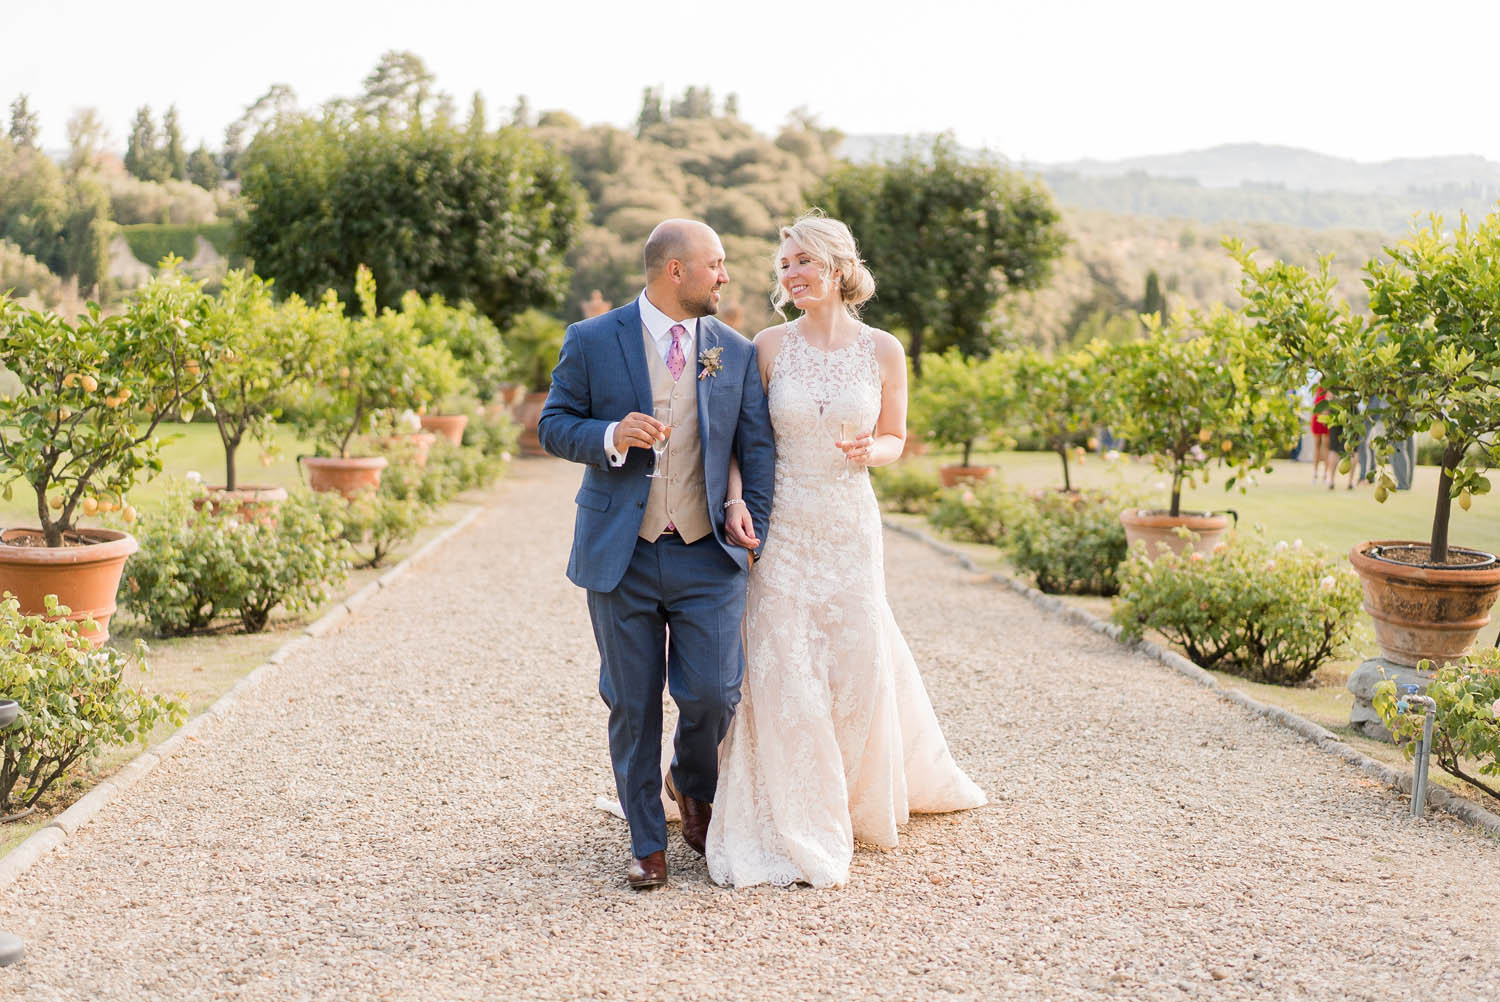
point(952, 476)
point(450, 426)
point(84, 573)
point(250, 501)
point(1158, 530)
point(1424, 610)
point(348, 475)
point(527, 415)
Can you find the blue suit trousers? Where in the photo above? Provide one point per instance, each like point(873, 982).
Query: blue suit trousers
point(674, 621)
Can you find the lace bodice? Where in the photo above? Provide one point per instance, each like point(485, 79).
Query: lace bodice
point(812, 392)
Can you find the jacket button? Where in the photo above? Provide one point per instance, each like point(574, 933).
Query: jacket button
point(640, 504)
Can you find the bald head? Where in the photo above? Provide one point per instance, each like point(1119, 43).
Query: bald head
point(676, 240)
point(685, 269)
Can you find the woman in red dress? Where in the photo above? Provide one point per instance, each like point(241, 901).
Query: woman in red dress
point(1320, 437)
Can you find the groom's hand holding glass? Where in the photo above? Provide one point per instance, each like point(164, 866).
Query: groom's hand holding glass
point(637, 430)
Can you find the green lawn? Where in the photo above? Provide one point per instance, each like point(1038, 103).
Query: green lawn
point(189, 447)
point(1286, 501)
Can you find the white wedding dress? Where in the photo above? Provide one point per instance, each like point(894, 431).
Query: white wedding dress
point(834, 739)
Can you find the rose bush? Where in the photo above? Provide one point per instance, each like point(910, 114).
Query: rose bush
point(1466, 725)
point(1270, 612)
point(74, 701)
point(1070, 542)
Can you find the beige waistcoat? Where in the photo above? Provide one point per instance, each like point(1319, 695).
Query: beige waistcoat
point(682, 498)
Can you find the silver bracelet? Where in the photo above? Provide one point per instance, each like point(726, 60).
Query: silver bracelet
point(733, 501)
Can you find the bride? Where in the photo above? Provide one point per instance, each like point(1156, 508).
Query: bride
point(834, 739)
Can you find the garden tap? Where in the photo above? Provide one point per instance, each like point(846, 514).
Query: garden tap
point(1410, 697)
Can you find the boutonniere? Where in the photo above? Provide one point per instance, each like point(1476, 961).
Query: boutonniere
point(708, 362)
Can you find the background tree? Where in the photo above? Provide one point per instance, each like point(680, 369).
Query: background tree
point(278, 104)
point(478, 116)
point(695, 102)
point(429, 209)
point(650, 113)
point(520, 115)
point(174, 157)
point(204, 170)
point(1154, 301)
point(87, 137)
point(398, 87)
point(25, 128)
point(86, 235)
point(946, 240)
point(144, 156)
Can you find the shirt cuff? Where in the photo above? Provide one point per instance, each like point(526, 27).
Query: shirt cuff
point(615, 458)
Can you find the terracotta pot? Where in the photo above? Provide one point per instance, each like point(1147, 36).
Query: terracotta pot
point(255, 500)
point(410, 448)
point(1425, 612)
point(915, 445)
point(84, 578)
point(527, 415)
point(347, 476)
point(450, 426)
point(952, 476)
point(1157, 530)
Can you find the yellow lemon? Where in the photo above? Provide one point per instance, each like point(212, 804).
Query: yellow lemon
point(55, 502)
point(1438, 431)
point(1464, 500)
point(1381, 493)
point(90, 506)
point(1226, 445)
point(90, 384)
point(1204, 435)
point(70, 380)
point(128, 514)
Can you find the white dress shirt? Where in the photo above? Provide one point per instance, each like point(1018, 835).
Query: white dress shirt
point(659, 326)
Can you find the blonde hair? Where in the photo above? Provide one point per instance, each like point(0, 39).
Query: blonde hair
point(831, 244)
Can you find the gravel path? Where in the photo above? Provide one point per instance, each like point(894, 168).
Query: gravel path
point(403, 810)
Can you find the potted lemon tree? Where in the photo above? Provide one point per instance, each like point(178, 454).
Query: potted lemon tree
point(1196, 392)
point(266, 349)
point(957, 401)
point(369, 373)
point(1429, 352)
point(84, 428)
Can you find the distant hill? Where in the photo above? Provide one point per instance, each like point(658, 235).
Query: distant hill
point(1238, 164)
point(1253, 182)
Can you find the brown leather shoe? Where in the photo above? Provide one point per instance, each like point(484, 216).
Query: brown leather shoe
point(648, 872)
point(695, 816)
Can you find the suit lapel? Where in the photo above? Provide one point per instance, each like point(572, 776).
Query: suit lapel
point(633, 345)
point(706, 340)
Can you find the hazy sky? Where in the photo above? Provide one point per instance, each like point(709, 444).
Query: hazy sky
point(1041, 80)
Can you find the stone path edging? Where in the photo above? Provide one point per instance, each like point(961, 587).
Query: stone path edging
point(62, 827)
point(1323, 738)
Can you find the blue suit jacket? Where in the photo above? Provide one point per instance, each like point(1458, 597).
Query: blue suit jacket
point(600, 377)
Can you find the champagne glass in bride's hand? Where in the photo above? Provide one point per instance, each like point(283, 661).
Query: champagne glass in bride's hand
point(845, 428)
point(659, 445)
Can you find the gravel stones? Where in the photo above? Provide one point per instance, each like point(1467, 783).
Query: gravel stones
point(403, 809)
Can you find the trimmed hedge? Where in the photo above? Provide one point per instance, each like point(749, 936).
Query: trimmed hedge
point(150, 242)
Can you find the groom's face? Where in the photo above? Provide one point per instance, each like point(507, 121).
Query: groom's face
point(703, 275)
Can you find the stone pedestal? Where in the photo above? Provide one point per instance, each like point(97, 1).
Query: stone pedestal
point(1362, 715)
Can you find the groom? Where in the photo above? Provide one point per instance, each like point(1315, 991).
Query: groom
point(666, 589)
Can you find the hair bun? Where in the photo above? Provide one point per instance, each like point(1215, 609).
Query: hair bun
point(858, 284)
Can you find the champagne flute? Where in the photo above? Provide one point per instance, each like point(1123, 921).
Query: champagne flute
point(659, 446)
point(844, 428)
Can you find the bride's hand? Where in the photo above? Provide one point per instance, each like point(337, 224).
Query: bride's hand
point(858, 451)
point(739, 527)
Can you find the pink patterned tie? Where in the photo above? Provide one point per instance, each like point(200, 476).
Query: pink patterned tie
point(675, 360)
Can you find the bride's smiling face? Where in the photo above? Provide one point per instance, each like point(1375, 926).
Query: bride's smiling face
point(800, 274)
